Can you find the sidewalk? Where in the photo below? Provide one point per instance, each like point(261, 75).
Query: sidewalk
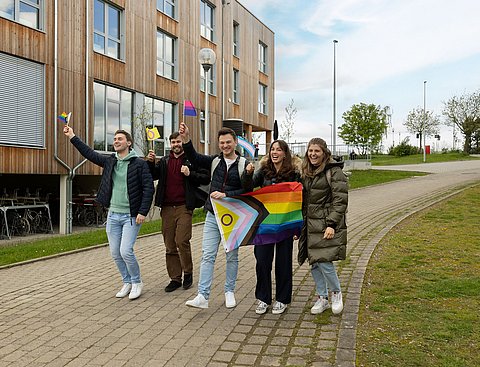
point(62, 311)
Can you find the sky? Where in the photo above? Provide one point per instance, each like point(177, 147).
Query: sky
point(386, 50)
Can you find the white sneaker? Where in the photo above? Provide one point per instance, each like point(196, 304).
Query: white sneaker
point(320, 306)
point(136, 290)
point(278, 308)
point(124, 291)
point(337, 302)
point(198, 302)
point(230, 300)
point(261, 308)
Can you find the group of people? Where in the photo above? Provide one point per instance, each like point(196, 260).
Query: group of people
point(127, 189)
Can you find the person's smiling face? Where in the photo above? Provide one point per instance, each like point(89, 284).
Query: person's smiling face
point(315, 154)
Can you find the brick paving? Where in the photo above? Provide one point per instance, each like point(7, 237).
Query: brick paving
point(62, 311)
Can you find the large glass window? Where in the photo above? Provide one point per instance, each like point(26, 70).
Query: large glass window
point(22, 102)
point(236, 39)
point(262, 98)
point(107, 29)
point(262, 57)
point(166, 55)
point(113, 111)
point(26, 12)
point(206, 20)
point(210, 80)
point(236, 86)
point(167, 7)
point(161, 114)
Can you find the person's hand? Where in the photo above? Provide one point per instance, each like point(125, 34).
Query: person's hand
point(151, 156)
point(185, 170)
point(250, 168)
point(184, 133)
point(140, 219)
point(68, 131)
point(329, 233)
point(217, 195)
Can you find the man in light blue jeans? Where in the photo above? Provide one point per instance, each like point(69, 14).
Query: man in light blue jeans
point(126, 188)
point(225, 181)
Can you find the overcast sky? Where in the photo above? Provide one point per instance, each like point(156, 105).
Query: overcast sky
point(386, 50)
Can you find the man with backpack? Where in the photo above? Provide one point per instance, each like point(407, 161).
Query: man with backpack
point(226, 169)
point(177, 197)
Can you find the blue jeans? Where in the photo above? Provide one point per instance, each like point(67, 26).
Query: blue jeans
point(211, 242)
point(325, 276)
point(122, 231)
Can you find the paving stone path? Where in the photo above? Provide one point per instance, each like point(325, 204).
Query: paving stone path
point(62, 311)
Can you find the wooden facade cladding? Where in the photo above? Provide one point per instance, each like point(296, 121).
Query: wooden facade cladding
point(136, 71)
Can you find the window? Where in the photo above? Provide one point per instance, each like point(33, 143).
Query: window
point(211, 80)
point(162, 116)
point(236, 39)
point(206, 20)
point(166, 55)
point(113, 111)
point(262, 57)
point(236, 86)
point(202, 126)
point(262, 99)
point(107, 32)
point(22, 102)
point(26, 12)
point(167, 7)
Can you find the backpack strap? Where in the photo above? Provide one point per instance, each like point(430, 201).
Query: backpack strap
point(241, 165)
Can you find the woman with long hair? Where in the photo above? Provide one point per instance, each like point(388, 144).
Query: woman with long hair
point(277, 166)
point(324, 233)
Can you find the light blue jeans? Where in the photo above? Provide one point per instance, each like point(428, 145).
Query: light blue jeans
point(325, 275)
point(211, 242)
point(122, 231)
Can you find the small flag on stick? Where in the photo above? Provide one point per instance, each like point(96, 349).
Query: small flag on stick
point(152, 133)
point(64, 117)
point(189, 108)
point(249, 147)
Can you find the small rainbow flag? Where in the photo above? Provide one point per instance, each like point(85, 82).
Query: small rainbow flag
point(189, 108)
point(64, 117)
point(268, 215)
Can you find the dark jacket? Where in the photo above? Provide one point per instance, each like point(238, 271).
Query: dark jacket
point(324, 206)
point(197, 177)
point(139, 179)
point(221, 180)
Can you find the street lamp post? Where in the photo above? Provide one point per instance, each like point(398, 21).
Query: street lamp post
point(424, 119)
point(334, 135)
point(331, 134)
point(206, 58)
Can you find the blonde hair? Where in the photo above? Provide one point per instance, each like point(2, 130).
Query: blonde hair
point(308, 169)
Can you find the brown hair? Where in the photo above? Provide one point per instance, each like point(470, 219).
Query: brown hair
point(174, 135)
point(226, 131)
point(287, 169)
point(308, 169)
point(127, 136)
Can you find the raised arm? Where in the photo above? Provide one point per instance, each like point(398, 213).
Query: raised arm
point(83, 148)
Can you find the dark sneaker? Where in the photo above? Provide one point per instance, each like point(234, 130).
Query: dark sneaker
point(187, 281)
point(172, 286)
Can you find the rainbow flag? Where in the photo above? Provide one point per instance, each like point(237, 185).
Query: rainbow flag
point(268, 215)
point(64, 117)
point(189, 108)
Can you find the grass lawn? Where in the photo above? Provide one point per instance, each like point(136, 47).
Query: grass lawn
point(388, 160)
point(421, 294)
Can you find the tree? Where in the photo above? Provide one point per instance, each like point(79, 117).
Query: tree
point(424, 124)
point(142, 120)
point(463, 112)
point(364, 126)
point(288, 124)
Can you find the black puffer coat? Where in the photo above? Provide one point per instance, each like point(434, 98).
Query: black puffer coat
point(139, 179)
point(222, 180)
point(324, 205)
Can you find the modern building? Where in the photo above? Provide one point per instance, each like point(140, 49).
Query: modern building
point(126, 64)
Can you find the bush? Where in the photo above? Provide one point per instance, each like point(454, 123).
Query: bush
point(404, 149)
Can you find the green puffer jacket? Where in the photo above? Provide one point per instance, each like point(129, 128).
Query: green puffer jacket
point(324, 205)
